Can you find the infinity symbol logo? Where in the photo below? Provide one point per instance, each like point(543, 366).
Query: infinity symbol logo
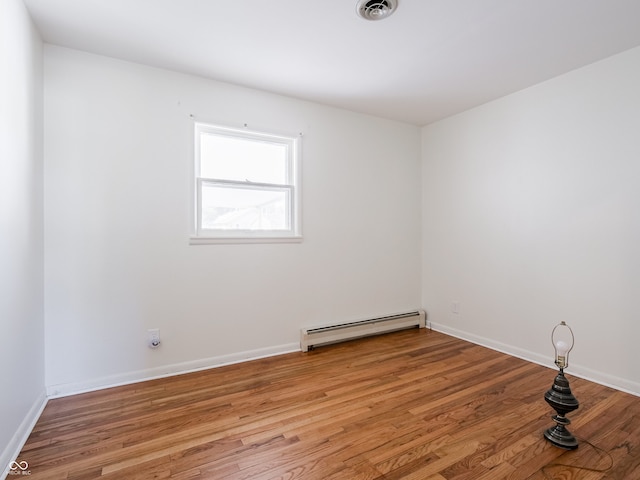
point(19, 466)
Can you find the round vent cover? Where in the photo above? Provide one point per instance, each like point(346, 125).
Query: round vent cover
point(376, 9)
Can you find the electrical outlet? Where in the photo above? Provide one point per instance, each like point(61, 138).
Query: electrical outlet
point(455, 307)
point(153, 337)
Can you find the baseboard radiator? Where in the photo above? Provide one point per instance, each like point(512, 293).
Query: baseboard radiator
point(315, 336)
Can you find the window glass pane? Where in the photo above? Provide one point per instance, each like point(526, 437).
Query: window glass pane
point(228, 207)
point(241, 159)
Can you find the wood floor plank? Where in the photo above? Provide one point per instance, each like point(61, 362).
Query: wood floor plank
point(409, 405)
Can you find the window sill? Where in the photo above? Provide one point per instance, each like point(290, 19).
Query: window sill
point(242, 240)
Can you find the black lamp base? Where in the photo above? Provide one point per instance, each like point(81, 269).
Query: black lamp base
point(561, 437)
point(562, 400)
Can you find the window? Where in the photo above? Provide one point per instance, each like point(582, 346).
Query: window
point(246, 185)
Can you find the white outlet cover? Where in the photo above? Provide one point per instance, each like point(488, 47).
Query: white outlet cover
point(153, 338)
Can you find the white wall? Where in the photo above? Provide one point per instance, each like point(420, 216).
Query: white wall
point(118, 158)
point(21, 229)
point(530, 217)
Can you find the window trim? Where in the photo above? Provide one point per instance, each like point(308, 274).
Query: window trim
point(202, 236)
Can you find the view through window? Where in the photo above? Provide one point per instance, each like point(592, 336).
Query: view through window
point(246, 184)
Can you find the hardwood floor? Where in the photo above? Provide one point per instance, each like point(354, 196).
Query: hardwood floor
point(410, 405)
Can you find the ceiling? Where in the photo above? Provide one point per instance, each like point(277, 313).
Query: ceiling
point(429, 60)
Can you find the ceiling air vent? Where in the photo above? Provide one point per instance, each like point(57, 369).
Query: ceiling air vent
point(376, 9)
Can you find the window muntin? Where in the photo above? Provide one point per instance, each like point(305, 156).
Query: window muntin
point(246, 184)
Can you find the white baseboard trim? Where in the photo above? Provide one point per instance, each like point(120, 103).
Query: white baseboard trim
point(11, 452)
point(601, 378)
point(66, 389)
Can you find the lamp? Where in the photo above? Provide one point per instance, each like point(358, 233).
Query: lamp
point(559, 396)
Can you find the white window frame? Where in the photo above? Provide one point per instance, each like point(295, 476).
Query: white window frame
point(202, 235)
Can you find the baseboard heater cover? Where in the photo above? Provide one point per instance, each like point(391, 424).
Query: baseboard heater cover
point(315, 336)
